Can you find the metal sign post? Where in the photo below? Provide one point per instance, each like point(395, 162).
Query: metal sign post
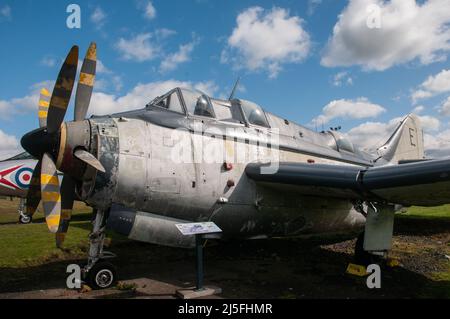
point(199, 264)
point(199, 230)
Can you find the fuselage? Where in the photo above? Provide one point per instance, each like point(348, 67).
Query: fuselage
point(191, 168)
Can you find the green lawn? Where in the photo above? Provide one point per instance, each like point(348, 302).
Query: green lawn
point(26, 245)
point(22, 246)
point(428, 212)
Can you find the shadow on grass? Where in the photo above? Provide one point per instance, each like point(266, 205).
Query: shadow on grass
point(251, 269)
point(420, 226)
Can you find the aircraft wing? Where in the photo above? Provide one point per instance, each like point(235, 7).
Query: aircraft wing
point(423, 183)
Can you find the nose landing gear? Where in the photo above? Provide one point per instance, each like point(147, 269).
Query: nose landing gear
point(99, 273)
point(23, 218)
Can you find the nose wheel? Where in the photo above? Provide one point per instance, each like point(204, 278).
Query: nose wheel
point(99, 273)
point(102, 275)
point(24, 219)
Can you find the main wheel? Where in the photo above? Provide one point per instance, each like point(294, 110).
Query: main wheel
point(102, 275)
point(24, 219)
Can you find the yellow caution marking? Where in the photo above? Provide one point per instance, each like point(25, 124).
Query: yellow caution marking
point(43, 103)
point(62, 145)
point(92, 52)
point(45, 92)
point(49, 179)
point(52, 221)
point(356, 270)
point(42, 114)
point(87, 79)
point(51, 197)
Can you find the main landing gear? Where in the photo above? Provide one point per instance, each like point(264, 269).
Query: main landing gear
point(23, 218)
point(373, 244)
point(98, 273)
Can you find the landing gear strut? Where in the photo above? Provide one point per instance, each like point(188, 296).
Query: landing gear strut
point(363, 257)
point(23, 218)
point(376, 240)
point(99, 273)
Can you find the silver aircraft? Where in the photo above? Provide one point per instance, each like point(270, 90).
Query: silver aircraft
point(186, 157)
point(15, 176)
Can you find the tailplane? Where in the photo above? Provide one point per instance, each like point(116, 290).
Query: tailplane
point(406, 143)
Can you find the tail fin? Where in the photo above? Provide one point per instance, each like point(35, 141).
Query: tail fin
point(406, 143)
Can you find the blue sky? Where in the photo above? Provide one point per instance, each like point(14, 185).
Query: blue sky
point(360, 64)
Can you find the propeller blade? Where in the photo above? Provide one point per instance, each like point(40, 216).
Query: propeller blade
point(51, 194)
point(67, 199)
point(86, 83)
point(89, 159)
point(44, 102)
point(34, 191)
point(62, 91)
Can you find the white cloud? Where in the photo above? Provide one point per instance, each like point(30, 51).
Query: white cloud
point(48, 61)
point(138, 48)
point(9, 145)
point(26, 103)
point(183, 54)
point(5, 12)
point(164, 33)
point(418, 109)
point(265, 40)
point(437, 145)
point(352, 109)
point(149, 10)
point(429, 123)
point(408, 31)
point(445, 107)
point(342, 78)
point(371, 135)
point(142, 94)
point(432, 86)
point(98, 17)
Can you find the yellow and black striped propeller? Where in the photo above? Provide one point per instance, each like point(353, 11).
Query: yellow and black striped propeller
point(58, 199)
point(44, 103)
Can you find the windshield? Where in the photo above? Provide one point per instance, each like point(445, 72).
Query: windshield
point(197, 103)
point(170, 101)
point(254, 114)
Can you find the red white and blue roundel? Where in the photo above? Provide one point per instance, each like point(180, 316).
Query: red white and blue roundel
point(16, 177)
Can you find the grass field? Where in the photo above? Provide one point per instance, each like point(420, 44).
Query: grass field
point(25, 247)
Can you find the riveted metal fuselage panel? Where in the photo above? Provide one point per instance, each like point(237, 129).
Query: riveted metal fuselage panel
point(147, 171)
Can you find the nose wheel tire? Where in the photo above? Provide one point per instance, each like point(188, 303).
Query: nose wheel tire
point(102, 275)
point(23, 219)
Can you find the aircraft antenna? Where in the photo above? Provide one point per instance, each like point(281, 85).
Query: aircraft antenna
point(234, 88)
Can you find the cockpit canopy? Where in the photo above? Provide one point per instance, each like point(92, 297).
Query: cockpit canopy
point(196, 103)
